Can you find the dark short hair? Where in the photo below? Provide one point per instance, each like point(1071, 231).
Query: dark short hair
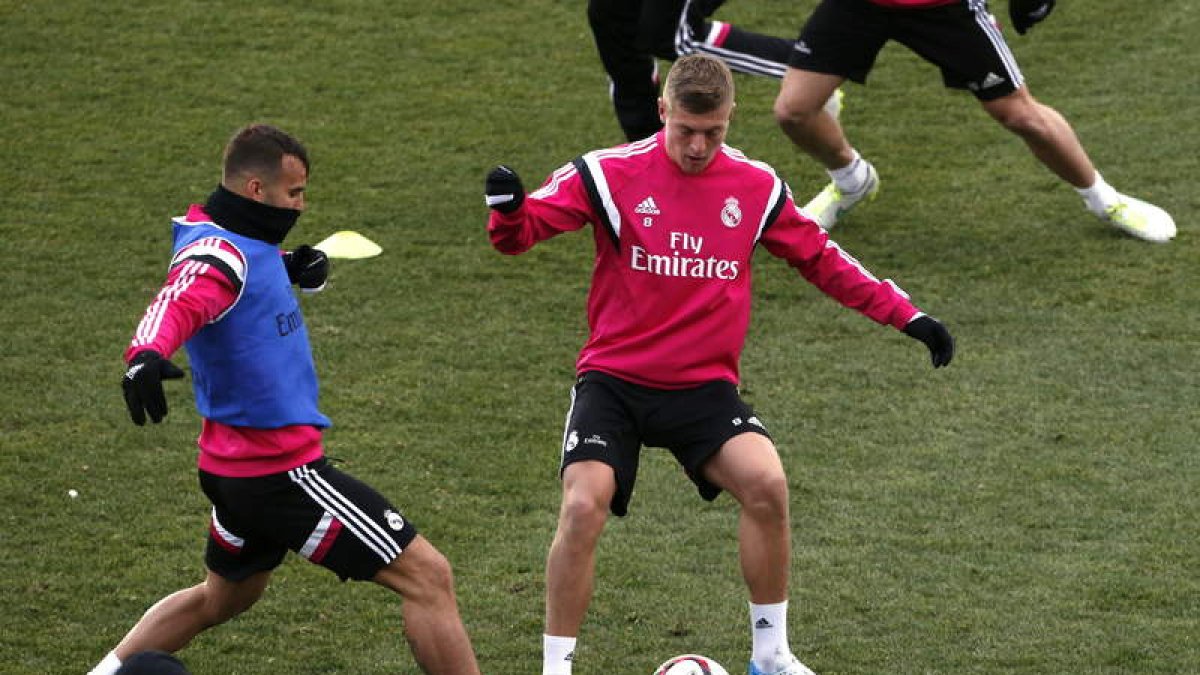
point(260, 149)
point(699, 84)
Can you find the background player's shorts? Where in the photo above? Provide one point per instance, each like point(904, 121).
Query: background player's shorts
point(323, 514)
point(610, 419)
point(843, 37)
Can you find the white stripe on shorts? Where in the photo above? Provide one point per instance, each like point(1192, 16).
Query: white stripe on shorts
point(317, 536)
point(228, 537)
point(987, 23)
point(369, 532)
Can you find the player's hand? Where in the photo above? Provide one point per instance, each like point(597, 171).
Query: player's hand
point(503, 190)
point(307, 267)
point(143, 386)
point(1025, 13)
point(935, 336)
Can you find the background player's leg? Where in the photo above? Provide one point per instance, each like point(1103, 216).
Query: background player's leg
point(632, 73)
point(744, 51)
point(800, 111)
point(1047, 133)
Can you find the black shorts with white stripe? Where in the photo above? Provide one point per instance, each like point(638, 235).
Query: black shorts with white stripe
point(843, 37)
point(325, 515)
point(610, 419)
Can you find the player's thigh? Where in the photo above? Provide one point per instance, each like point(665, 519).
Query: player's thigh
point(588, 485)
point(805, 91)
point(745, 463)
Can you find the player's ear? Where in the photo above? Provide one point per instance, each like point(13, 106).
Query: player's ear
point(254, 188)
point(662, 110)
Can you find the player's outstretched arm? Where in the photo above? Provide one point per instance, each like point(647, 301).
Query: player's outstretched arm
point(935, 336)
point(143, 388)
point(1025, 13)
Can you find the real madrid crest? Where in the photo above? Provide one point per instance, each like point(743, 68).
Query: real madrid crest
point(731, 213)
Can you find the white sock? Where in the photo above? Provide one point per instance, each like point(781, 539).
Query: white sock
point(557, 653)
point(1100, 197)
point(768, 631)
point(108, 666)
point(852, 177)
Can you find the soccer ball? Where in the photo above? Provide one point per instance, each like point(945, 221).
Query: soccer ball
point(690, 664)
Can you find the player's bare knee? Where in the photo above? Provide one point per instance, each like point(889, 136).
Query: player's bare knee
point(581, 519)
point(583, 509)
point(795, 114)
point(426, 563)
point(439, 574)
point(421, 575)
point(765, 496)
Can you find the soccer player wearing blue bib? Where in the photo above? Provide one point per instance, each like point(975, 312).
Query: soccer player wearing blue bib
point(229, 300)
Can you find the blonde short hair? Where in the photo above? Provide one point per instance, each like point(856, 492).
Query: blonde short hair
point(699, 84)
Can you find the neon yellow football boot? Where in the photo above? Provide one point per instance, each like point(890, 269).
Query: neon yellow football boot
point(831, 203)
point(1141, 219)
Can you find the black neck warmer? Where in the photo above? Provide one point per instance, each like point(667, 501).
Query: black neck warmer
point(250, 218)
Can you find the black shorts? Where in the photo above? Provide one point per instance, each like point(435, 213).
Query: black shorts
point(611, 419)
point(646, 26)
point(323, 514)
point(843, 37)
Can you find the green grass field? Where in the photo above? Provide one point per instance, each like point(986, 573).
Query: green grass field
point(1033, 508)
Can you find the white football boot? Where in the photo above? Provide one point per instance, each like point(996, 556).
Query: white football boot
point(1141, 219)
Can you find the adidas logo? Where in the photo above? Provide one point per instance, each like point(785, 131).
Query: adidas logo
point(802, 47)
point(992, 80)
point(763, 623)
point(647, 207)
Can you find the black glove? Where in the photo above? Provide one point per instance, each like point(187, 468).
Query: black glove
point(935, 336)
point(503, 190)
point(143, 386)
point(307, 267)
point(1025, 13)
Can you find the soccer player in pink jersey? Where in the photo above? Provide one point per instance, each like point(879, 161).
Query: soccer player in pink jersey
point(840, 41)
point(676, 218)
